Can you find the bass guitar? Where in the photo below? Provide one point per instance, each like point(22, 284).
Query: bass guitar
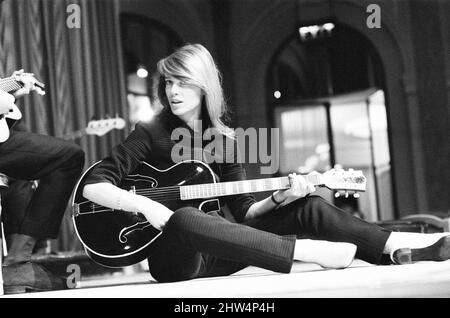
point(98, 127)
point(12, 84)
point(115, 238)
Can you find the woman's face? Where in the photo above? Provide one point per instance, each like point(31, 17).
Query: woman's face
point(184, 99)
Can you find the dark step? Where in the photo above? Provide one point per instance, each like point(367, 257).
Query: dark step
point(59, 264)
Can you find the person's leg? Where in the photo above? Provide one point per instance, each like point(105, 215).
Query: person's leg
point(327, 254)
point(190, 234)
point(179, 253)
point(331, 223)
point(315, 218)
point(15, 200)
point(57, 164)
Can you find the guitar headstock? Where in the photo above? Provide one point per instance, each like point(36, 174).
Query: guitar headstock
point(103, 126)
point(28, 81)
point(344, 182)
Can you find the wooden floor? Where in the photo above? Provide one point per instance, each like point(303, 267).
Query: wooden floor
point(361, 280)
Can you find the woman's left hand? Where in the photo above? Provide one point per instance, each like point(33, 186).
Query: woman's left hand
point(299, 189)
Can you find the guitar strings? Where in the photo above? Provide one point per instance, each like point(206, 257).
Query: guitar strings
point(159, 194)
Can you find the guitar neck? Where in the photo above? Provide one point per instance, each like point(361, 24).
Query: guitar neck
point(211, 190)
point(75, 135)
point(9, 84)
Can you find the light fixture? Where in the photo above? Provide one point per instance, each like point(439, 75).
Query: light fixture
point(142, 72)
point(316, 31)
point(328, 26)
point(277, 94)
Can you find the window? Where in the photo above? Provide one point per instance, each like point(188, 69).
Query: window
point(349, 131)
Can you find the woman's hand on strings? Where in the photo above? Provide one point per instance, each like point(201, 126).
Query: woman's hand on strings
point(299, 188)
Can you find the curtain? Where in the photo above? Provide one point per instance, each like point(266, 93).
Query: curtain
point(82, 69)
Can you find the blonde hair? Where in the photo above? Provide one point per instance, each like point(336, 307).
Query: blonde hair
point(193, 63)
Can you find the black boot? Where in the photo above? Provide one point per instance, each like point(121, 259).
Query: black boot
point(20, 275)
point(20, 248)
point(29, 277)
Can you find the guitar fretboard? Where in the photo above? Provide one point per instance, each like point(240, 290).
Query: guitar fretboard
point(211, 190)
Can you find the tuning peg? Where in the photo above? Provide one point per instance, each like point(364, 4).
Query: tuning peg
point(346, 194)
point(356, 195)
point(337, 194)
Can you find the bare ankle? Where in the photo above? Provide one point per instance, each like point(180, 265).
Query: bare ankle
point(325, 253)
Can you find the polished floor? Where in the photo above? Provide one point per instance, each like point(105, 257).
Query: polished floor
point(360, 280)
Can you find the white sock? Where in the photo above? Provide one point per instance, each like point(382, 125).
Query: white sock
point(411, 240)
point(325, 253)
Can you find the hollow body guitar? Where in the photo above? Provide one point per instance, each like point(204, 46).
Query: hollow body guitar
point(119, 238)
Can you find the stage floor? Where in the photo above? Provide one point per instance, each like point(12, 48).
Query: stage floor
point(361, 280)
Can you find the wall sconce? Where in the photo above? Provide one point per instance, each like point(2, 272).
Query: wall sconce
point(315, 31)
point(142, 71)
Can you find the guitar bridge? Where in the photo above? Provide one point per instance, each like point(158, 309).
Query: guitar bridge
point(75, 210)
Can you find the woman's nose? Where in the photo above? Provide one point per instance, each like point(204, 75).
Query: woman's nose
point(174, 89)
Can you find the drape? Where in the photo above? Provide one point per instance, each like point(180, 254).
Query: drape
point(82, 69)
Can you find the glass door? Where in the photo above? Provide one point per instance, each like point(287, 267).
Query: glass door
point(349, 131)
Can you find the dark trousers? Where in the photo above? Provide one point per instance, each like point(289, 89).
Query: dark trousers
point(57, 164)
point(194, 244)
point(15, 200)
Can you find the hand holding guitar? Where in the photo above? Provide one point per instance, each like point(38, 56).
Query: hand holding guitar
point(29, 83)
point(300, 187)
point(19, 84)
